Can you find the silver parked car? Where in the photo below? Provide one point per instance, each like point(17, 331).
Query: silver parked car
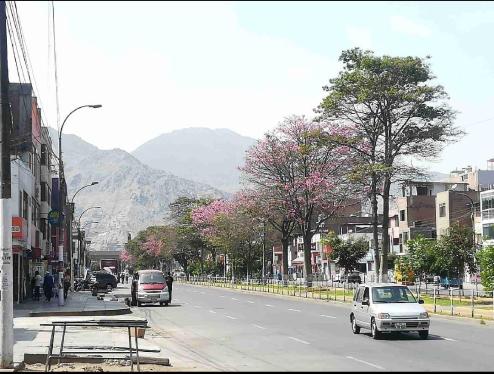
point(386, 307)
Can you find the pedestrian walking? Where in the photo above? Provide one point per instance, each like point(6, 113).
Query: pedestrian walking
point(66, 284)
point(48, 286)
point(126, 278)
point(169, 284)
point(55, 283)
point(37, 285)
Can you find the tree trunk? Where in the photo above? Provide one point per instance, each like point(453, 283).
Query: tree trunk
point(284, 245)
point(375, 224)
point(185, 269)
point(308, 260)
point(385, 227)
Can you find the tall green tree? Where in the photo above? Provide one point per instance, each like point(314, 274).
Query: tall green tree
point(346, 254)
point(423, 254)
point(393, 112)
point(189, 245)
point(486, 261)
point(456, 252)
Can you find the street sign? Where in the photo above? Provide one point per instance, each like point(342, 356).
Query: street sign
point(54, 217)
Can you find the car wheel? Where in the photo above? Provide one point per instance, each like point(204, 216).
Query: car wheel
point(376, 334)
point(424, 334)
point(109, 287)
point(355, 328)
point(166, 303)
point(139, 303)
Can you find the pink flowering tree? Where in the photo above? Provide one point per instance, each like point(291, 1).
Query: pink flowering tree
point(229, 226)
point(304, 176)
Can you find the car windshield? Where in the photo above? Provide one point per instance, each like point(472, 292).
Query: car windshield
point(392, 295)
point(154, 277)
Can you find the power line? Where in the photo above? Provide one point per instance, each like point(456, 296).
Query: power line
point(55, 64)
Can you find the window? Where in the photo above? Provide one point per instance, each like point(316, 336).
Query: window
point(488, 231)
point(366, 294)
point(392, 295)
point(42, 228)
point(422, 191)
point(402, 215)
point(405, 237)
point(25, 203)
point(442, 210)
point(43, 154)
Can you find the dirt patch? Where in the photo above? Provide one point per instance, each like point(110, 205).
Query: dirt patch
point(110, 365)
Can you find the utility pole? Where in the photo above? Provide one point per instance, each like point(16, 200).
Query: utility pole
point(6, 271)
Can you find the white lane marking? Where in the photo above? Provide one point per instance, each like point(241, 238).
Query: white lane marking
point(250, 302)
point(298, 340)
point(203, 293)
point(259, 327)
point(222, 296)
point(449, 339)
point(197, 306)
point(234, 299)
point(212, 311)
point(230, 317)
point(269, 305)
point(324, 315)
point(365, 362)
point(294, 310)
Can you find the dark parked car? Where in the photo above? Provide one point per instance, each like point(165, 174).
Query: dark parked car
point(353, 277)
point(103, 280)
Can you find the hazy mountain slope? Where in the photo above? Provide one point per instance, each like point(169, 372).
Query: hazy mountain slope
point(200, 154)
point(132, 195)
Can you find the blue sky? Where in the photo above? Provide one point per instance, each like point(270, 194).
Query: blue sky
point(157, 67)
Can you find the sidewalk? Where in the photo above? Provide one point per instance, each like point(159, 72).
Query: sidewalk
point(31, 340)
point(77, 304)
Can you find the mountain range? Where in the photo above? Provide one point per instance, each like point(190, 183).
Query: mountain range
point(131, 194)
point(210, 156)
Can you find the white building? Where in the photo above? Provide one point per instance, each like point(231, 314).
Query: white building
point(487, 216)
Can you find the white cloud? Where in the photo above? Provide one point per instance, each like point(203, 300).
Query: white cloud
point(359, 37)
point(409, 27)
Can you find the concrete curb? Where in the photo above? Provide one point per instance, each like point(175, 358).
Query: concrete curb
point(40, 358)
point(18, 366)
point(101, 312)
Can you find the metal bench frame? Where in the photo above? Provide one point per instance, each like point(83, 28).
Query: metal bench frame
point(129, 324)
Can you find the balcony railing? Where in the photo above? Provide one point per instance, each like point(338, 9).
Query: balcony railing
point(488, 213)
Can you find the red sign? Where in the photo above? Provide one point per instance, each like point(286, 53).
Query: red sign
point(19, 228)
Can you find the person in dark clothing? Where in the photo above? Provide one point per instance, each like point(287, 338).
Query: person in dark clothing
point(169, 284)
point(133, 289)
point(126, 278)
point(66, 284)
point(48, 286)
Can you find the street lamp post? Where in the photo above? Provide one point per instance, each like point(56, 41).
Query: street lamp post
point(60, 184)
point(71, 250)
point(79, 222)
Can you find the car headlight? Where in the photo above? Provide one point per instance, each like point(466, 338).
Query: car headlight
point(424, 315)
point(383, 316)
point(140, 289)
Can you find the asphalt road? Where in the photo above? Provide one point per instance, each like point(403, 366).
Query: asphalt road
point(230, 330)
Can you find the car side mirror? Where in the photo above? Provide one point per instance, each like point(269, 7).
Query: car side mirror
point(365, 302)
point(421, 301)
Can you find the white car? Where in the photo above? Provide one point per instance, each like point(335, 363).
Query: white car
point(387, 307)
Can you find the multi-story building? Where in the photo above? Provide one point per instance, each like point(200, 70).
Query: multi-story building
point(453, 207)
point(477, 179)
point(415, 212)
point(487, 217)
point(26, 187)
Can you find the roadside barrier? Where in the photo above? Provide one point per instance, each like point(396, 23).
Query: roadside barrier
point(454, 302)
